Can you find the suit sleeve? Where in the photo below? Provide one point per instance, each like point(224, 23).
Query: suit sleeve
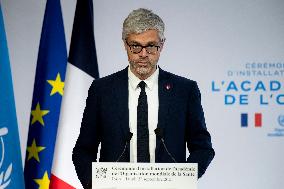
point(86, 148)
point(197, 137)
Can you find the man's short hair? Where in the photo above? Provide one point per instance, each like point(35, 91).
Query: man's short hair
point(141, 20)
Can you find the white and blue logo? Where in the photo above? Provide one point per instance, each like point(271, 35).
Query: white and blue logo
point(5, 177)
point(281, 120)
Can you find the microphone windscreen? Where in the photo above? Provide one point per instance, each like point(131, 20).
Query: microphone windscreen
point(159, 132)
point(129, 136)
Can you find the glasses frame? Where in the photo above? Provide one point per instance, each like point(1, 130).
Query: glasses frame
point(143, 47)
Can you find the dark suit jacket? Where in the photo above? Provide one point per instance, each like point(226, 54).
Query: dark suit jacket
point(106, 121)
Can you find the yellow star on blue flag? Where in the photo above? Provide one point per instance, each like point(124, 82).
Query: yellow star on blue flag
point(38, 114)
point(33, 150)
point(43, 182)
point(57, 85)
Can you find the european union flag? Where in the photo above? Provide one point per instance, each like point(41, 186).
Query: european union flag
point(47, 95)
point(11, 170)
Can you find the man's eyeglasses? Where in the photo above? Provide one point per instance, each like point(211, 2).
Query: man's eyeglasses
point(137, 48)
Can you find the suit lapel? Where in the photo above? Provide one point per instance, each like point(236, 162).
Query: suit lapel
point(165, 97)
point(121, 92)
point(165, 94)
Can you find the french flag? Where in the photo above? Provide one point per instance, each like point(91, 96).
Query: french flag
point(82, 69)
point(257, 120)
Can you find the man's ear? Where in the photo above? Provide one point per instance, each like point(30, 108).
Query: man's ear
point(162, 44)
point(125, 45)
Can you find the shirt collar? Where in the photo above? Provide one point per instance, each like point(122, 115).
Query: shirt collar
point(150, 81)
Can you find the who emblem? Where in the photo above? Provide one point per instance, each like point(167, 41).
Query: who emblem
point(4, 174)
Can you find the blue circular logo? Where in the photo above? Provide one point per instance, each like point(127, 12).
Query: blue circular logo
point(281, 120)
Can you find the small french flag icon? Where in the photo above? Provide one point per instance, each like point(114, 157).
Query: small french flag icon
point(244, 119)
point(257, 120)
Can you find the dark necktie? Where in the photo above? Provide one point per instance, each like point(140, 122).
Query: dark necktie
point(143, 154)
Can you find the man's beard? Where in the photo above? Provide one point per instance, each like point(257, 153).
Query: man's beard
point(142, 70)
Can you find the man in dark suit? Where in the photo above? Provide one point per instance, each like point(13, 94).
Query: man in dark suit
point(161, 110)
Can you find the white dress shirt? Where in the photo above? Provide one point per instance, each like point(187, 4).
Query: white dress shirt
point(153, 106)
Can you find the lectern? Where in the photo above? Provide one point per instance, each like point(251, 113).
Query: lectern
point(144, 175)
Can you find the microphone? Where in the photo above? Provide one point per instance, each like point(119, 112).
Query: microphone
point(160, 134)
point(128, 138)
